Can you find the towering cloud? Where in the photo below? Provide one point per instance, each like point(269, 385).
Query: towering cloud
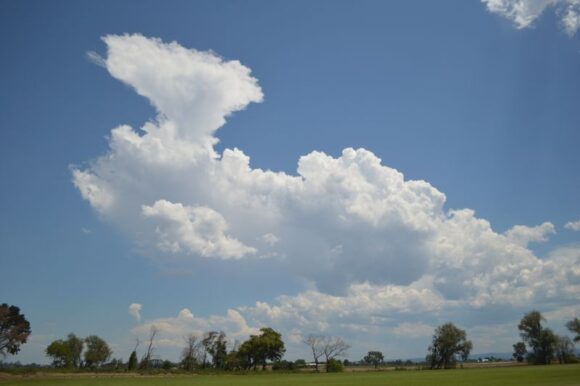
point(370, 242)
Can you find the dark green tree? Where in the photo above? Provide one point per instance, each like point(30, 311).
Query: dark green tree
point(448, 343)
point(374, 358)
point(14, 329)
point(59, 352)
point(97, 352)
point(541, 340)
point(133, 361)
point(334, 366)
point(75, 345)
point(520, 351)
point(574, 326)
point(268, 346)
point(215, 345)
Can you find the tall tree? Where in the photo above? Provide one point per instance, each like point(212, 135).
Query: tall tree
point(215, 344)
point(268, 346)
point(332, 348)
point(315, 344)
point(97, 352)
point(540, 339)
point(146, 360)
point(272, 345)
point(574, 326)
point(14, 329)
point(374, 358)
point(191, 353)
point(75, 345)
point(448, 343)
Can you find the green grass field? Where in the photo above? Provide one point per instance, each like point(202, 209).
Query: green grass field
point(568, 375)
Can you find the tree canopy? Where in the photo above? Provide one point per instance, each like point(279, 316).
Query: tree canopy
point(14, 329)
point(97, 352)
point(541, 340)
point(374, 358)
point(448, 343)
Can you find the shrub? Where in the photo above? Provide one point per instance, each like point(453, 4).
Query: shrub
point(334, 366)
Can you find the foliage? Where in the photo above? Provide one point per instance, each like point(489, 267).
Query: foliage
point(448, 342)
point(14, 329)
point(299, 363)
point(541, 340)
point(564, 350)
point(75, 345)
point(284, 365)
point(334, 366)
point(66, 353)
point(133, 361)
point(260, 348)
point(97, 352)
point(574, 326)
point(215, 344)
point(520, 351)
point(60, 353)
point(374, 358)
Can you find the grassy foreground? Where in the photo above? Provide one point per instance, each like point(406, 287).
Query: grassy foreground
point(568, 375)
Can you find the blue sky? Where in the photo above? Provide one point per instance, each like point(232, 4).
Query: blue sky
point(477, 99)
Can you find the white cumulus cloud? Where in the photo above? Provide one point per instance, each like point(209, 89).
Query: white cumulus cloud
point(372, 244)
point(573, 225)
point(523, 13)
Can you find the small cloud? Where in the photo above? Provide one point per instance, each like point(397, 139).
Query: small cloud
point(97, 59)
point(270, 239)
point(523, 13)
point(135, 311)
point(573, 226)
point(86, 231)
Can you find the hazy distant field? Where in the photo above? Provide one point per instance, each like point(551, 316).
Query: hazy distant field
point(568, 375)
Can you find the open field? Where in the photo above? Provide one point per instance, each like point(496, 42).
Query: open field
point(568, 375)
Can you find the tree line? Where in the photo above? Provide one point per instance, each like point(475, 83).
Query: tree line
point(539, 345)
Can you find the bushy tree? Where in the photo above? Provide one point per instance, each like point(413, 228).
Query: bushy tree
point(520, 351)
point(60, 353)
point(541, 340)
point(97, 352)
point(448, 343)
point(66, 353)
point(268, 346)
point(334, 366)
point(374, 358)
point(14, 329)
